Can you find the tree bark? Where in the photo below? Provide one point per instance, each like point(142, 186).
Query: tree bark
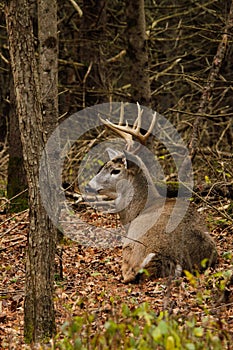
point(137, 52)
point(38, 307)
point(48, 67)
point(16, 177)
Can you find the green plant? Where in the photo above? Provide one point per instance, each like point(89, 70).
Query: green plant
point(140, 329)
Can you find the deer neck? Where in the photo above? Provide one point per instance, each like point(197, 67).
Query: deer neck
point(136, 197)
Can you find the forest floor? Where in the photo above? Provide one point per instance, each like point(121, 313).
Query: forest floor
point(92, 284)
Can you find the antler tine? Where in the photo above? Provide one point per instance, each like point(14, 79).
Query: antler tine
point(138, 122)
point(149, 131)
point(137, 126)
point(121, 119)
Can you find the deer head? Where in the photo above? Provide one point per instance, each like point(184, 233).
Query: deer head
point(125, 177)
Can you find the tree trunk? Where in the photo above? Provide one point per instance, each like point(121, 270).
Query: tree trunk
point(39, 309)
point(137, 52)
point(92, 47)
point(48, 46)
point(4, 105)
point(16, 178)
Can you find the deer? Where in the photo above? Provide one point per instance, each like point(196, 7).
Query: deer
point(149, 249)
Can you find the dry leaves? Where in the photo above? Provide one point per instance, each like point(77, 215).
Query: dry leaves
point(92, 283)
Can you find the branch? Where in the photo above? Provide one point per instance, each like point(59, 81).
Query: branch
point(77, 8)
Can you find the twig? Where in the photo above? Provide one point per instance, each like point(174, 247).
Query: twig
point(77, 8)
point(8, 200)
point(84, 83)
point(12, 292)
point(223, 214)
point(117, 57)
point(4, 58)
point(12, 228)
point(70, 63)
point(208, 116)
point(12, 245)
point(13, 216)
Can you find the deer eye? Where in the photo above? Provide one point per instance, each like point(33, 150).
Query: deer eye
point(115, 171)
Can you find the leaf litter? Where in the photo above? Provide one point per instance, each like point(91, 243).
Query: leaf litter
point(91, 282)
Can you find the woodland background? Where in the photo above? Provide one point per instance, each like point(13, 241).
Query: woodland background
point(95, 66)
point(179, 61)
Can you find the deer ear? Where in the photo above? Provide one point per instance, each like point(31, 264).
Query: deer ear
point(113, 153)
point(130, 159)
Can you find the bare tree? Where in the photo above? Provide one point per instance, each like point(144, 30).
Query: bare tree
point(32, 105)
point(16, 179)
point(137, 52)
point(92, 46)
point(9, 131)
point(48, 46)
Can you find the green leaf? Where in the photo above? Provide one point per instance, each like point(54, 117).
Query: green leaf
point(170, 343)
point(207, 179)
point(198, 332)
point(100, 162)
point(191, 278)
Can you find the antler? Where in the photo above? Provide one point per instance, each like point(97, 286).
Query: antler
point(127, 132)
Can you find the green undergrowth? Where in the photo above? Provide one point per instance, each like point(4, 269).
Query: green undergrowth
point(140, 327)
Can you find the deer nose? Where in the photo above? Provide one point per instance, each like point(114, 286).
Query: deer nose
point(90, 189)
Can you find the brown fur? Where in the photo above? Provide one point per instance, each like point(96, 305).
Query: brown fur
point(185, 247)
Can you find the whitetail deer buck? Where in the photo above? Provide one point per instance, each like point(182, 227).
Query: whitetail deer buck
point(148, 245)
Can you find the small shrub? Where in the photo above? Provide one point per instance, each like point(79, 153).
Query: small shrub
point(140, 329)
